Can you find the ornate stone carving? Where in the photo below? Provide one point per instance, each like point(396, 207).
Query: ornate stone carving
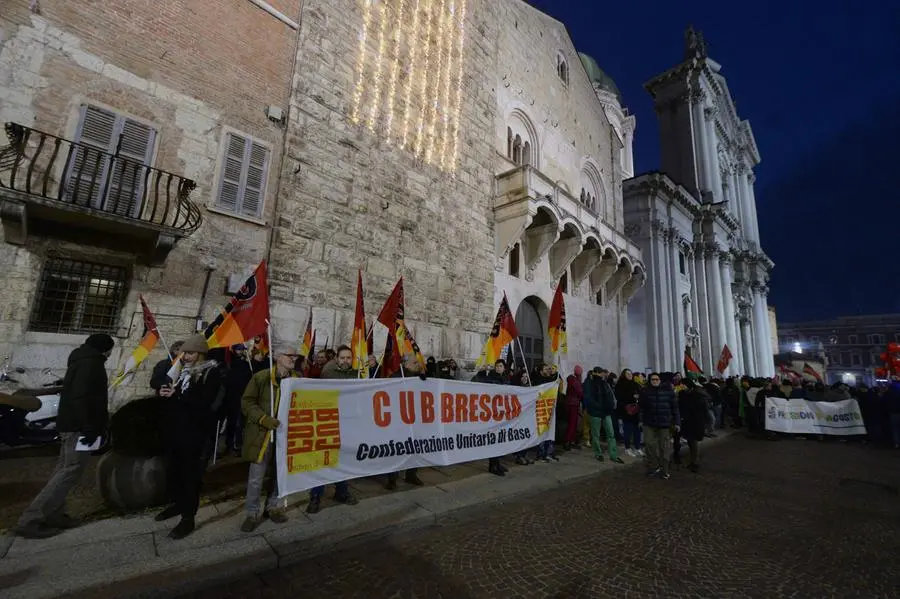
point(751, 177)
point(691, 335)
point(633, 230)
point(711, 250)
point(694, 44)
point(725, 257)
point(697, 95)
point(710, 112)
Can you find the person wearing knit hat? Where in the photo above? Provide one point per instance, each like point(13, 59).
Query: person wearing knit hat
point(261, 412)
point(83, 415)
point(195, 397)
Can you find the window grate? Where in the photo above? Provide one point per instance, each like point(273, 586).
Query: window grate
point(78, 297)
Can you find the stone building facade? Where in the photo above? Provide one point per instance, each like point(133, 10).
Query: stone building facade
point(464, 147)
point(163, 183)
point(850, 346)
point(461, 144)
point(696, 224)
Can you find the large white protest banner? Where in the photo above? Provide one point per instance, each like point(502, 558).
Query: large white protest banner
point(335, 430)
point(814, 417)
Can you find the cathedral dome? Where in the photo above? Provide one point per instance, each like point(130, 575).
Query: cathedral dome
point(598, 77)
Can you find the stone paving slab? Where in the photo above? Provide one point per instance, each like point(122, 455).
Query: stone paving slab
point(133, 556)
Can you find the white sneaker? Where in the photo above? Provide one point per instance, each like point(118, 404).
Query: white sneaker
point(630, 452)
point(640, 453)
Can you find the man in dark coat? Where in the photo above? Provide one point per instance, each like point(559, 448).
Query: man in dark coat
point(83, 414)
point(600, 403)
point(693, 407)
point(659, 413)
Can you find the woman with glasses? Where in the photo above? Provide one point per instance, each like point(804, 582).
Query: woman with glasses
point(659, 412)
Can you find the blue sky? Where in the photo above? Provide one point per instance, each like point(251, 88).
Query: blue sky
point(820, 84)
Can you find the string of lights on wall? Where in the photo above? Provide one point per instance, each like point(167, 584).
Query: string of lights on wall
point(409, 76)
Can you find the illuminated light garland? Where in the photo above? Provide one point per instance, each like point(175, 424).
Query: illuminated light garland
point(361, 62)
point(392, 89)
point(438, 74)
point(409, 79)
point(376, 94)
point(445, 101)
point(420, 130)
point(454, 154)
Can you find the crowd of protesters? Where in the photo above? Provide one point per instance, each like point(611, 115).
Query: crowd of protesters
point(651, 416)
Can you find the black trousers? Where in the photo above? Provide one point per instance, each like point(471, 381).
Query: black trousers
point(189, 451)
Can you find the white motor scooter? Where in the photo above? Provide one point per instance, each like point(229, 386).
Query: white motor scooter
point(28, 414)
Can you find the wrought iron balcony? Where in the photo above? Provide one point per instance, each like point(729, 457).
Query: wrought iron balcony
point(45, 179)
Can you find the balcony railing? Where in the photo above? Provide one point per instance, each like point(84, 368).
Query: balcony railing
point(67, 174)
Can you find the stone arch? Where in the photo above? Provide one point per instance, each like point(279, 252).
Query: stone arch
point(531, 319)
point(593, 192)
point(520, 124)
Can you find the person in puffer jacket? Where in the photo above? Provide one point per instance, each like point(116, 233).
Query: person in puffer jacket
point(659, 412)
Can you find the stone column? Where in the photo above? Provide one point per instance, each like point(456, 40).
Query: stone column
point(747, 348)
point(769, 364)
point(749, 180)
point(704, 306)
point(716, 307)
point(701, 144)
point(712, 140)
point(728, 301)
point(669, 291)
point(663, 319)
point(760, 344)
point(695, 302)
point(677, 343)
point(741, 188)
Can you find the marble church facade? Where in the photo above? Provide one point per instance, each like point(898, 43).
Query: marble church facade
point(696, 224)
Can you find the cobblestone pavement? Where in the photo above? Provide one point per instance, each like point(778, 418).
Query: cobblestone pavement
point(790, 518)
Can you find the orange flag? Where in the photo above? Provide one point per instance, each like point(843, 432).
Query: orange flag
point(148, 342)
point(308, 339)
point(358, 344)
point(502, 333)
point(556, 326)
point(246, 315)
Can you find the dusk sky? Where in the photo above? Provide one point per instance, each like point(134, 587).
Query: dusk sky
point(820, 85)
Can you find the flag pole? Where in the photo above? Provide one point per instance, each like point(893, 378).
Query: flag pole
point(522, 351)
point(271, 375)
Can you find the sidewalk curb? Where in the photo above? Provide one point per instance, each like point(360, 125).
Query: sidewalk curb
point(192, 569)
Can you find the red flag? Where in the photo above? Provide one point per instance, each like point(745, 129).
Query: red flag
point(556, 325)
point(390, 361)
point(690, 366)
point(358, 344)
point(807, 369)
point(724, 359)
point(502, 333)
point(245, 316)
point(392, 316)
point(149, 319)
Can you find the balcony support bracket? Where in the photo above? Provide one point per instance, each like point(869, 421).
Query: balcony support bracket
point(163, 244)
point(14, 215)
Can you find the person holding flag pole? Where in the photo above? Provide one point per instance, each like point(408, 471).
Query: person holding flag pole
point(260, 404)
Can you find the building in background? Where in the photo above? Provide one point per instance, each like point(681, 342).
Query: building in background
point(463, 145)
point(143, 156)
point(851, 345)
point(696, 225)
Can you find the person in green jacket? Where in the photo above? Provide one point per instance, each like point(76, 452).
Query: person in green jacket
point(259, 430)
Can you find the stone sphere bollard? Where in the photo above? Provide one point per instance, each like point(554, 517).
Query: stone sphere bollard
point(132, 475)
point(130, 483)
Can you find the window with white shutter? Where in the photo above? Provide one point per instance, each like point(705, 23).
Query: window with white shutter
point(112, 153)
point(242, 183)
